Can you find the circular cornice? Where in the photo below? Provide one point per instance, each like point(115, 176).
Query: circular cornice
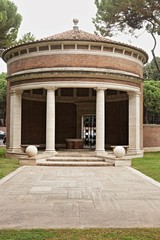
point(75, 35)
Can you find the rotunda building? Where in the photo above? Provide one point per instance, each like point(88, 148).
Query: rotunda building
point(74, 90)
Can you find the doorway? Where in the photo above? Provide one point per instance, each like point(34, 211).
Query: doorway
point(89, 130)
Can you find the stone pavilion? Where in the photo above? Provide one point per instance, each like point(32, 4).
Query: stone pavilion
point(74, 90)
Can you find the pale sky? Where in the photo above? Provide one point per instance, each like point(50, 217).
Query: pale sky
point(46, 18)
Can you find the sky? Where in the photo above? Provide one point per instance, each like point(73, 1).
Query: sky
point(46, 18)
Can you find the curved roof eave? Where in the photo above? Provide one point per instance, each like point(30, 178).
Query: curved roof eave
point(76, 35)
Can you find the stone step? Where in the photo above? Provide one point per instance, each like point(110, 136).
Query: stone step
point(75, 159)
point(77, 154)
point(74, 164)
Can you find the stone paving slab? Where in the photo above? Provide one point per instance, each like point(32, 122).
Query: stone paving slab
point(72, 197)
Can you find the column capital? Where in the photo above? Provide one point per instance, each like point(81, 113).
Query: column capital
point(100, 88)
point(132, 93)
point(50, 88)
point(15, 91)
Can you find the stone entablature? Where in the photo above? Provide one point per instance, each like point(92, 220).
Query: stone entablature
point(30, 95)
point(109, 57)
point(53, 47)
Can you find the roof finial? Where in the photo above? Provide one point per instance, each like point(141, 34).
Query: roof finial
point(75, 21)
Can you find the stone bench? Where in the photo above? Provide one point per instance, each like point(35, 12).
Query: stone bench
point(124, 146)
point(24, 146)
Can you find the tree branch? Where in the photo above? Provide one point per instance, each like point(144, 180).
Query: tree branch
point(154, 47)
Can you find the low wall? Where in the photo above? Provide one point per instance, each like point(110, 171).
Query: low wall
point(151, 137)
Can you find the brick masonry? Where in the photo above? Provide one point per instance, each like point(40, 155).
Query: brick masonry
point(75, 60)
point(151, 135)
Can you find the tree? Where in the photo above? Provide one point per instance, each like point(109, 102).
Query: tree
point(3, 86)
point(10, 22)
point(150, 70)
point(26, 38)
point(128, 16)
point(151, 97)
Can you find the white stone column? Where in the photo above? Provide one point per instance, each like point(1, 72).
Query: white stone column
point(50, 121)
point(134, 123)
point(15, 120)
point(100, 121)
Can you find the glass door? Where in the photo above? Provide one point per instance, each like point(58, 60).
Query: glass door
point(89, 130)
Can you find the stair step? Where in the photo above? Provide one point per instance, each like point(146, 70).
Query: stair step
point(76, 154)
point(76, 159)
point(74, 164)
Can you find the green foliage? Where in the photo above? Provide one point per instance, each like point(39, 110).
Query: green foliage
point(127, 15)
point(3, 86)
point(151, 96)
point(10, 22)
point(27, 37)
point(150, 70)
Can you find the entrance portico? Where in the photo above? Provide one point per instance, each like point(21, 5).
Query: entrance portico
point(99, 109)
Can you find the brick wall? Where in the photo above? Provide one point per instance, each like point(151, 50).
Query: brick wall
point(151, 135)
point(75, 60)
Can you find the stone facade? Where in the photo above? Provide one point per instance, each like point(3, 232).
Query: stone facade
point(54, 83)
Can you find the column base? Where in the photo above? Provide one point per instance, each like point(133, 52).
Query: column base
point(14, 153)
point(53, 152)
point(101, 153)
point(14, 150)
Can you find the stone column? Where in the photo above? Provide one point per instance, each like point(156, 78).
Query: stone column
point(134, 123)
point(100, 121)
point(50, 121)
point(15, 120)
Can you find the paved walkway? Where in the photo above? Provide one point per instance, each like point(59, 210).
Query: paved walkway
point(60, 197)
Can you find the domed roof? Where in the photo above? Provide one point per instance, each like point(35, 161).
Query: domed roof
point(77, 34)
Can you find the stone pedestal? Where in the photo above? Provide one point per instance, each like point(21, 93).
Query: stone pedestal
point(25, 161)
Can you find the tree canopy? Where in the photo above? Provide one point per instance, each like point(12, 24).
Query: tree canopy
point(3, 86)
point(10, 21)
point(26, 38)
point(127, 15)
point(151, 95)
point(114, 16)
point(150, 70)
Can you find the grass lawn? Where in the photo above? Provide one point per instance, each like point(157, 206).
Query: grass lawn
point(149, 165)
point(81, 234)
point(7, 165)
